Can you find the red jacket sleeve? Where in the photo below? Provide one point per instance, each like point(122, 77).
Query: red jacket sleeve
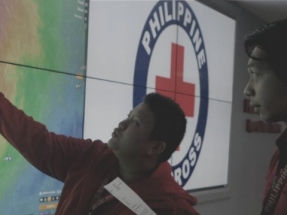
point(50, 153)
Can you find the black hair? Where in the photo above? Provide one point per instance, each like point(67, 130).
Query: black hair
point(170, 122)
point(272, 38)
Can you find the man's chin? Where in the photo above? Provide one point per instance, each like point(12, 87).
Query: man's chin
point(269, 119)
point(112, 144)
point(109, 143)
point(266, 119)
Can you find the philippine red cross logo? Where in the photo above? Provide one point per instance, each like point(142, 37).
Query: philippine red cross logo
point(184, 79)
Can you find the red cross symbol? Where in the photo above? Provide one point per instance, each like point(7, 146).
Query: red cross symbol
point(174, 87)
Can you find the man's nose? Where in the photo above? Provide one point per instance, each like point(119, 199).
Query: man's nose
point(248, 90)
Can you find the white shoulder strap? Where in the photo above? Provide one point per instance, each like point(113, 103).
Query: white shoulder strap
point(128, 197)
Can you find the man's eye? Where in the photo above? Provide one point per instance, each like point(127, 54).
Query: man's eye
point(135, 122)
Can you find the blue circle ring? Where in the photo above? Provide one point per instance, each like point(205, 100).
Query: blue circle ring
point(141, 73)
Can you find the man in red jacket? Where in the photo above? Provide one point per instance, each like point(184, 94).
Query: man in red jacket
point(267, 89)
point(137, 153)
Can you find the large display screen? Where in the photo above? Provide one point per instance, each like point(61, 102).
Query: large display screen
point(182, 49)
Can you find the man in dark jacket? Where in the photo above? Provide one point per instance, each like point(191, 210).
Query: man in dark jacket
point(267, 89)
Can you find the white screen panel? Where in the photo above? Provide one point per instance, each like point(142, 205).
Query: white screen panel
point(107, 104)
point(212, 164)
point(115, 28)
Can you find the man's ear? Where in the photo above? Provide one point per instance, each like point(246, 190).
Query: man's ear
point(157, 148)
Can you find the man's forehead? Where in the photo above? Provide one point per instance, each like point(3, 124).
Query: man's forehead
point(141, 110)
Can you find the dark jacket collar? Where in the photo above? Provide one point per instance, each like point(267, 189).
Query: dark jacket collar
point(282, 140)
